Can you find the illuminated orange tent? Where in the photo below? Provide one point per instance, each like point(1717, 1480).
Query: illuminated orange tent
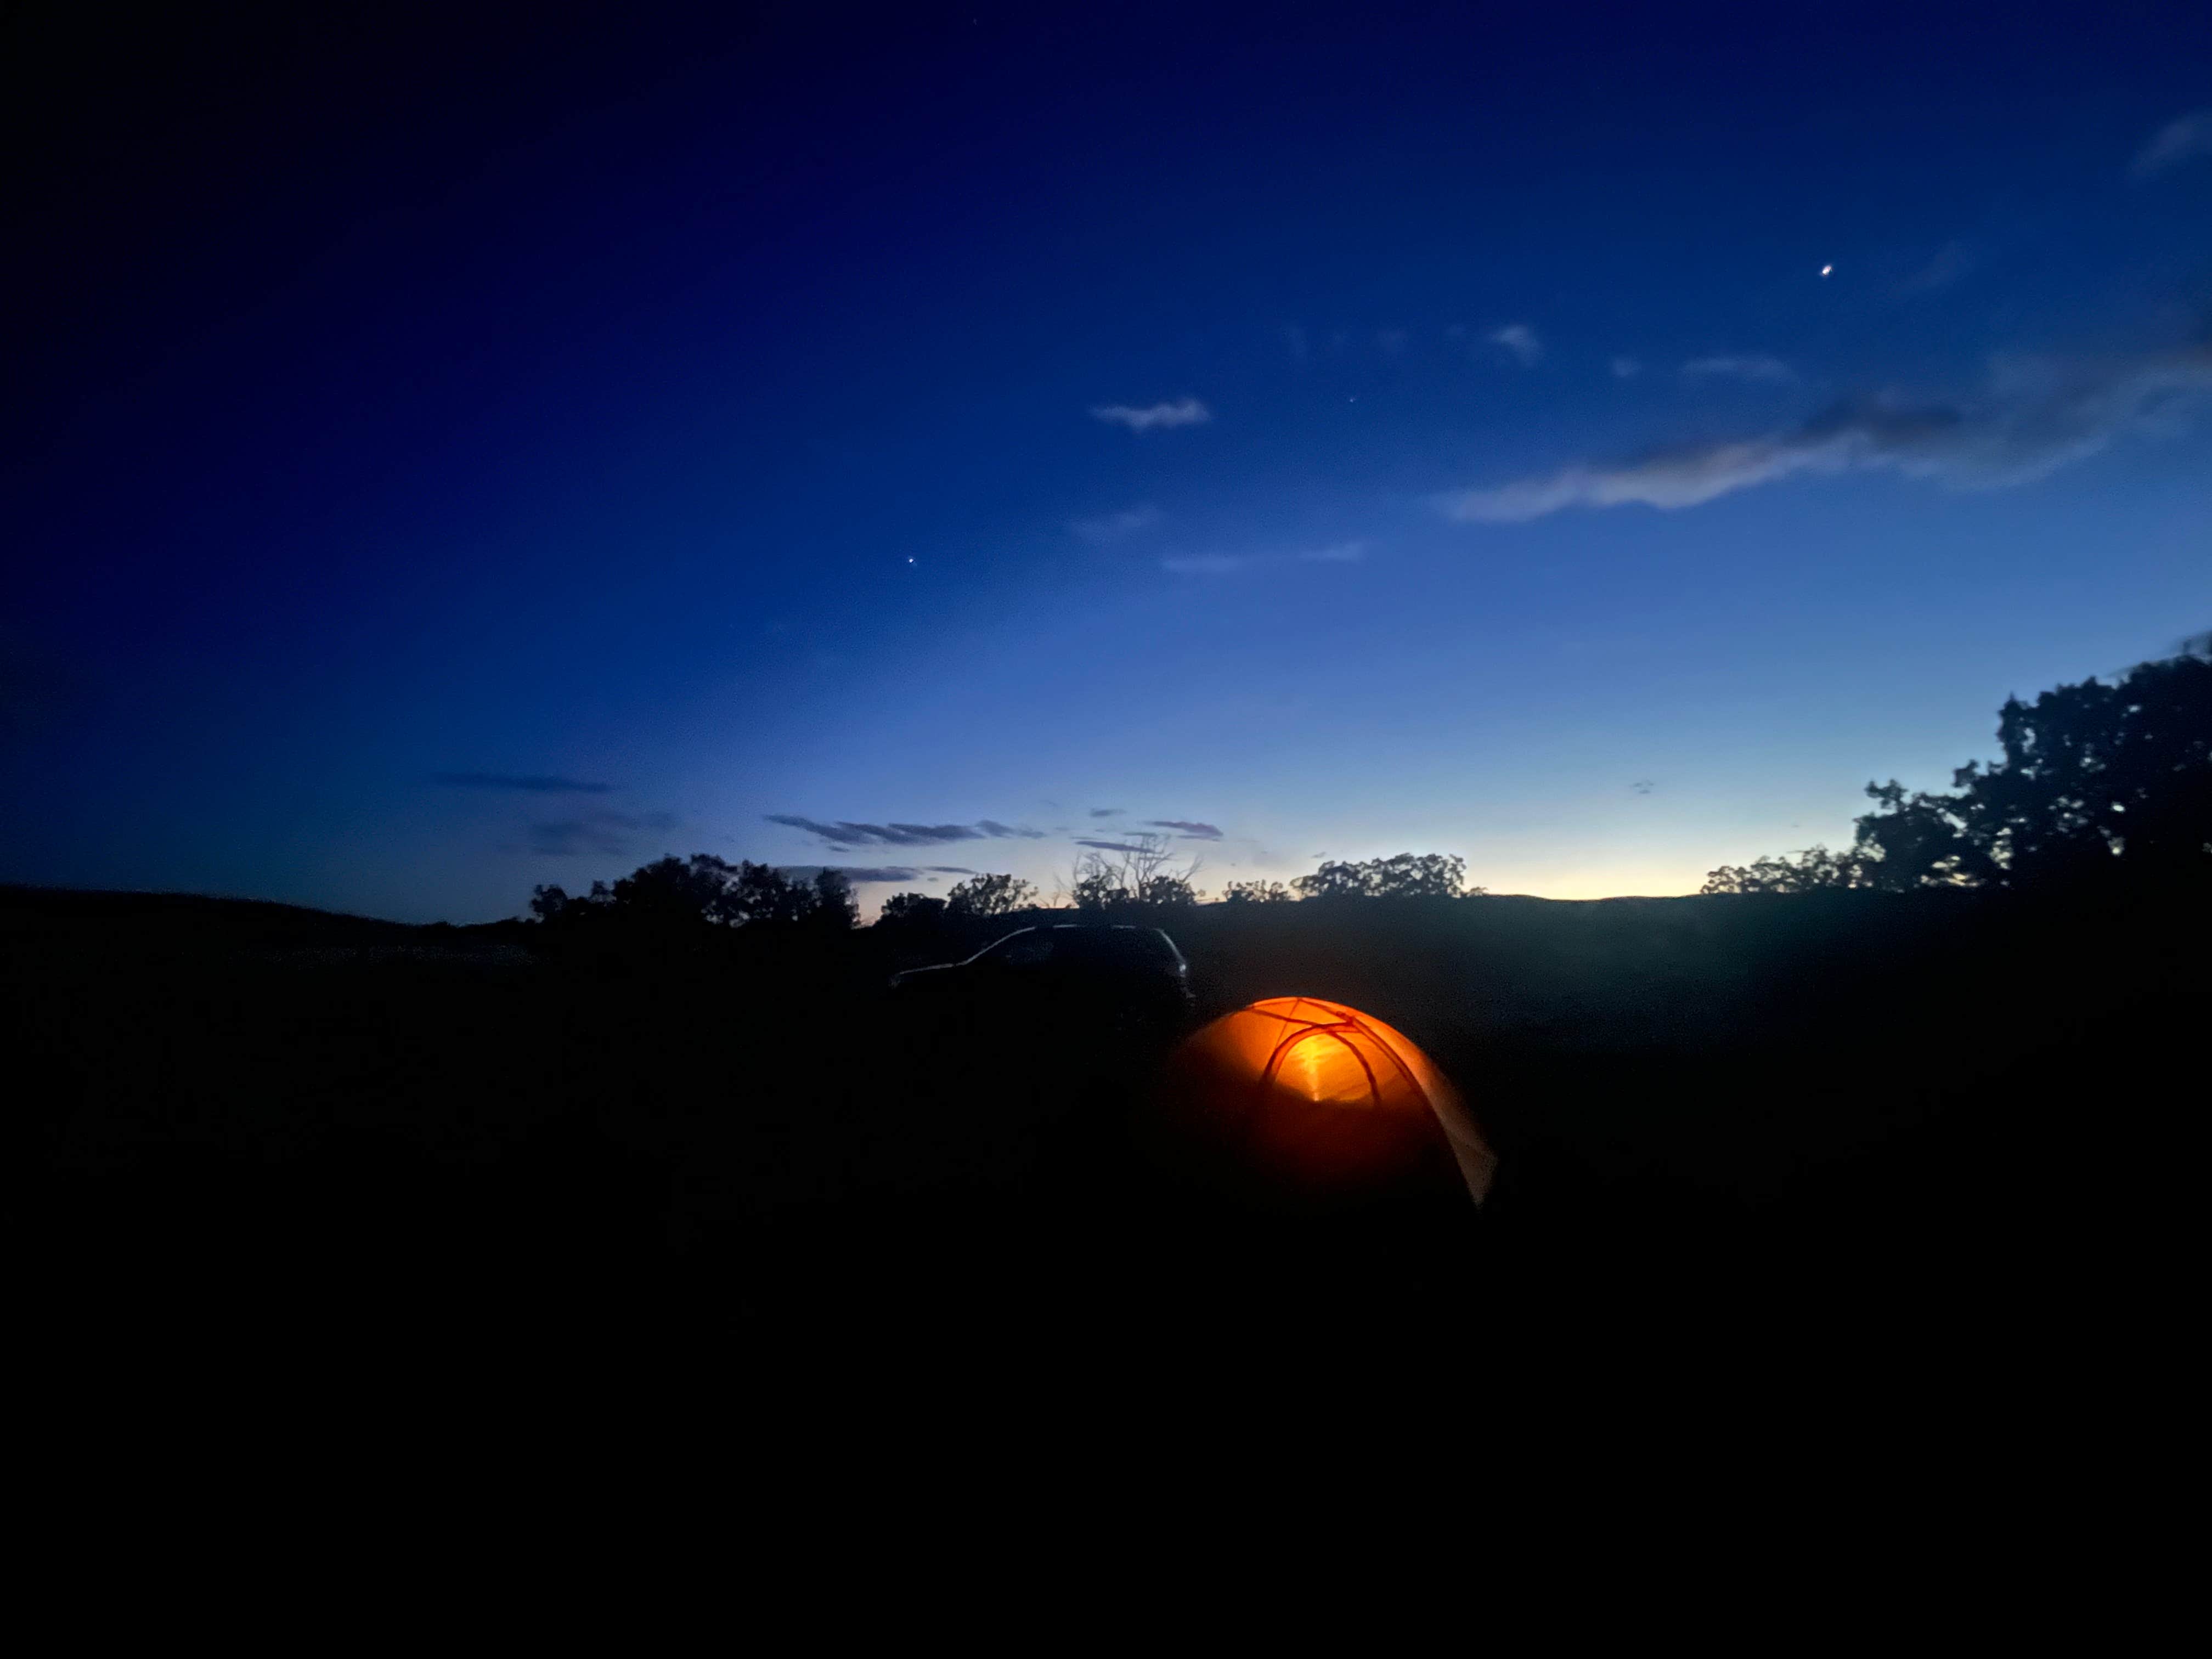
point(1324, 1098)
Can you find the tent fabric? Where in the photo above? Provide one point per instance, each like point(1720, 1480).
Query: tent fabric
point(1325, 1095)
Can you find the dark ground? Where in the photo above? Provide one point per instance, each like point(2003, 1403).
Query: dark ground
point(1873, 1129)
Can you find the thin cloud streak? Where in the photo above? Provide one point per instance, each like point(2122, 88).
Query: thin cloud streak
point(1520, 340)
point(1228, 564)
point(856, 873)
point(610, 834)
point(2186, 138)
point(529, 785)
point(842, 835)
point(2036, 417)
point(1772, 369)
point(1189, 831)
point(1114, 527)
point(1951, 263)
point(1184, 412)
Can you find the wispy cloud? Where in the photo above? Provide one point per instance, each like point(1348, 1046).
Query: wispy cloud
point(1187, 829)
point(1208, 564)
point(1949, 264)
point(856, 873)
point(571, 836)
point(1228, 564)
point(1106, 812)
point(1340, 553)
point(842, 834)
point(1184, 412)
point(1111, 846)
point(2034, 415)
point(2185, 138)
point(1770, 369)
point(611, 833)
point(529, 785)
point(1113, 526)
point(1520, 340)
point(862, 874)
point(1626, 368)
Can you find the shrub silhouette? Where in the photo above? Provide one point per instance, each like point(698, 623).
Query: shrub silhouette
point(1256, 892)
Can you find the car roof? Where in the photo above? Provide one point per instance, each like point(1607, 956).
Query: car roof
point(1119, 934)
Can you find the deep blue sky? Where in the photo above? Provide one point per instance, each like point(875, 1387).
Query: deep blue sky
point(413, 421)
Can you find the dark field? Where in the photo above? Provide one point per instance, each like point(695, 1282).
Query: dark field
point(1889, 1119)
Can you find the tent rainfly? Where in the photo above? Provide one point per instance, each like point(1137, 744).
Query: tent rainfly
point(1325, 1099)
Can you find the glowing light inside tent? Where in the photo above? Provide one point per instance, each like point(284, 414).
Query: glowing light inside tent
point(1322, 1096)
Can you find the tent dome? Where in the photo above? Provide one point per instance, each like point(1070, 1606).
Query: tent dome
point(1316, 1098)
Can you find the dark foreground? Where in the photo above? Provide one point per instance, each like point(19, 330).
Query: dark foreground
point(1886, 1127)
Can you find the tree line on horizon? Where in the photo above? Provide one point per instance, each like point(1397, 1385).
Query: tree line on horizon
point(705, 889)
point(2094, 779)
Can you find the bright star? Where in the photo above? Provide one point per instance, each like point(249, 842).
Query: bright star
point(1825, 269)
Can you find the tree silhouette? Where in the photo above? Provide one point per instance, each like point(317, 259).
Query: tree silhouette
point(672, 889)
point(550, 903)
point(1167, 892)
point(1810, 870)
point(1917, 839)
point(2095, 780)
point(911, 910)
point(988, 896)
point(703, 891)
point(834, 907)
point(1404, 875)
point(1095, 892)
point(1136, 873)
point(2095, 775)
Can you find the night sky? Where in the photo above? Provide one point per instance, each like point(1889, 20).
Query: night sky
point(442, 457)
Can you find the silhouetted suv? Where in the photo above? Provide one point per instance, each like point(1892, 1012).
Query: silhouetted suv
point(1120, 976)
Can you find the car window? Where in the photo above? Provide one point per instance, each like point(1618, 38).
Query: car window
point(1026, 949)
point(1129, 947)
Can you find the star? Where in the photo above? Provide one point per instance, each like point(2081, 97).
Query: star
point(1826, 269)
